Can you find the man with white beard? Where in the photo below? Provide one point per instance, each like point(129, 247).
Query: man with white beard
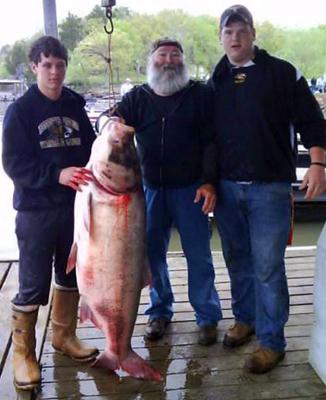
point(171, 116)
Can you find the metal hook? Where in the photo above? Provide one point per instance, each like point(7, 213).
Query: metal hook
point(108, 14)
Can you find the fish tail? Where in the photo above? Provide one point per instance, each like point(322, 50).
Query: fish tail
point(107, 360)
point(136, 367)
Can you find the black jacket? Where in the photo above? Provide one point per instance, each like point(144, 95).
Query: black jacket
point(40, 138)
point(175, 149)
point(258, 110)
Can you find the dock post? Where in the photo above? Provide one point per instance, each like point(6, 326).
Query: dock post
point(317, 354)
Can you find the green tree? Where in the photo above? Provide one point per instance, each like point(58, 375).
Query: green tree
point(269, 37)
point(97, 13)
point(306, 50)
point(122, 13)
point(16, 59)
point(71, 31)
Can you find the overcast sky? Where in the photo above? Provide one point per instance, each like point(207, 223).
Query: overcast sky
point(22, 18)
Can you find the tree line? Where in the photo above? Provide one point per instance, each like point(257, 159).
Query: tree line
point(133, 34)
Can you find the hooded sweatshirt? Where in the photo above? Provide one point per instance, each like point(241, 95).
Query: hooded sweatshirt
point(258, 111)
point(40, 138)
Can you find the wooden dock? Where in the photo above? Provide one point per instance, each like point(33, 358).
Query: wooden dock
point(190, 371)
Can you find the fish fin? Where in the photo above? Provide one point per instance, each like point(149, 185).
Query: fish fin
point(87, 314)
point(136, 367)
point(71, 263)
point(147, 276)
point(87, 211)
point(88, 214)
point(107, 360)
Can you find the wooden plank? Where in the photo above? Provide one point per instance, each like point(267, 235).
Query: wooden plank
point(7, 389)
point(95, 381)
point(7, 292)
point(226, 362)
point(4, 269)
point(178, 347)
point(191, 371)
point(223, 276)
point(220, 267)
point(181, 293)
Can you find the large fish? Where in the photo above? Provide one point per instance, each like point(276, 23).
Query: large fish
point(109, 247)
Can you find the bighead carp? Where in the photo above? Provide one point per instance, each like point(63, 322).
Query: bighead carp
point(109, 248)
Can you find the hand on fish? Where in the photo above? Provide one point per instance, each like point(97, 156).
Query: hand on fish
point(75, 177)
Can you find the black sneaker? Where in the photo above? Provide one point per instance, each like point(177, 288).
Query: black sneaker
point(207, 335)
point(155, 328)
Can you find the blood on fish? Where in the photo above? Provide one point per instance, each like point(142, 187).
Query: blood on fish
point(123, 202)
point(89, 276)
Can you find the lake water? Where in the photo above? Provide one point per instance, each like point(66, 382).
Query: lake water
point(305, 233)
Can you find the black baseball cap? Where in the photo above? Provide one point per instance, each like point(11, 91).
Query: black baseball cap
point(237, 12)
point(165, 42)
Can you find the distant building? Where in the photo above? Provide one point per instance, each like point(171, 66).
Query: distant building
point(11, 89)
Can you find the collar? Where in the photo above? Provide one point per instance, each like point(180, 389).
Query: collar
point(249, 63)
point(223, 66)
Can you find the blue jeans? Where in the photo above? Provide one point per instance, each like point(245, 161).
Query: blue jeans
point(254, 222)
point(164, 207)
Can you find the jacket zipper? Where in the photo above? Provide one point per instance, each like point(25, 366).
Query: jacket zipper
point(162, 151)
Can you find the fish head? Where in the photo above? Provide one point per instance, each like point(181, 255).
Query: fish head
point(114, 158)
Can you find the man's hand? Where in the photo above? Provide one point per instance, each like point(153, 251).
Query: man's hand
point(75, 176)
point(208, 192)
point(315, 181)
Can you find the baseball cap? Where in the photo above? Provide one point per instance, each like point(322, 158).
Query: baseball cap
point(236, 13)
point(165, 42)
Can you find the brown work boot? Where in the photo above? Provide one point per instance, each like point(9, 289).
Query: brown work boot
point(64, 322)
point(27, 373)
point(155, 328)
point(207, 335)
point(237, 335)
point(263, 360)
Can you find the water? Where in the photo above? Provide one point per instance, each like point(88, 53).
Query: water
point(305, 233)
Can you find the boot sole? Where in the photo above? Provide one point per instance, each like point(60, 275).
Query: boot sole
point(27, 386)
point(232, 344)
point(154, 338)
point(91, 357)
point(207, 342)
point(264, 371)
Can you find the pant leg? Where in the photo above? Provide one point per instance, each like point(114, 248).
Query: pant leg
point(193, 227)
point(233, 226)
point(64, 240)
point(36, 231)
point(158, 231)
point(270, 219)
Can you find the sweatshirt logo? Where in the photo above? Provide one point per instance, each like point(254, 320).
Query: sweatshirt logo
point(59, 132)
point(240, 78)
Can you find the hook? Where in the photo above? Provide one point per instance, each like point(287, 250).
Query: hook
point(108, 14)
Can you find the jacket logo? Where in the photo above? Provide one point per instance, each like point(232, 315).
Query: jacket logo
point(240, 78)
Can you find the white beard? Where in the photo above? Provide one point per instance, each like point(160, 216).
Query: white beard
point(168, 78)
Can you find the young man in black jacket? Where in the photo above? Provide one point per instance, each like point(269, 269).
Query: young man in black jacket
point(171, 117)
point(47, 140)
point(260, 103)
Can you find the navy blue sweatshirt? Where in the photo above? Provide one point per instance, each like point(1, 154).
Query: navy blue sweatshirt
point(40, 138)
